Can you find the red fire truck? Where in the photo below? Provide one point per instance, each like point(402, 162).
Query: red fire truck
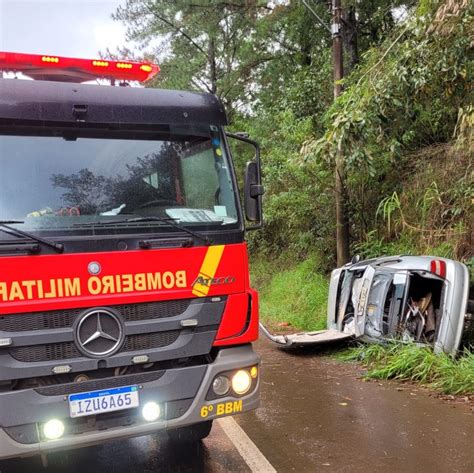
point(125, 301)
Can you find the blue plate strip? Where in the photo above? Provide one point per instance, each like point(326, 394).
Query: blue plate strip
point(107, 392)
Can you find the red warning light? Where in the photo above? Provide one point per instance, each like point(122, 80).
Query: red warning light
point(45, 67)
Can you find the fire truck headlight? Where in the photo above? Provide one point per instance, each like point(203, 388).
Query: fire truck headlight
point(53, 429)
point(221, 385)
point(241, 382)
point(151, 411)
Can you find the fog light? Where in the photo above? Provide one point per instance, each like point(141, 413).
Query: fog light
point(151, 411)
point(221, 385)
point(53, 429)
point(241, 382)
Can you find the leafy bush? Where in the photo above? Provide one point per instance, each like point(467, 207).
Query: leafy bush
point(404, 127)
point(430, 213)
point(293, 294)
point(410, 362)
point(298, 208)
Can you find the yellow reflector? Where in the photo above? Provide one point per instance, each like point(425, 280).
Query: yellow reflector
point(124, 65)
point(146, 68)
point(100, 63)
point(254, 372)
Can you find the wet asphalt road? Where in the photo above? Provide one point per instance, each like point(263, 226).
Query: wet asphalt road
point(315, 416)
point(152, 453)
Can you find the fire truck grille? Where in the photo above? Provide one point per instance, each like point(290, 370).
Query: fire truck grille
point(68, 350)
point(166, 330)
point(47, 352)
point(150, 340)
point(55, 319)
point(97, 384)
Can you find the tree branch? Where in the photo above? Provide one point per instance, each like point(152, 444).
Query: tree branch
point(206, 87)
point(244, 71)
point(178, 30)
point(238, 6)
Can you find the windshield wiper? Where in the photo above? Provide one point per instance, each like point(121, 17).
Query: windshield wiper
point(167, 221)
point(5, 226)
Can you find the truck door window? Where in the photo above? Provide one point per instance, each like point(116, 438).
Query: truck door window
point(198, 172)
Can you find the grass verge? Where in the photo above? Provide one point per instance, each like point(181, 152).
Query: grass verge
point(409, 362)
point(291, 293)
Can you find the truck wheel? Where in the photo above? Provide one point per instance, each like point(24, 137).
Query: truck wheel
point(192, 433)
point(55, 461)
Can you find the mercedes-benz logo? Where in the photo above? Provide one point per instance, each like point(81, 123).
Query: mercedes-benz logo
point(99, 333)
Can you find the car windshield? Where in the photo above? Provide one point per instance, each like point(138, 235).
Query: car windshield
point(63, 182)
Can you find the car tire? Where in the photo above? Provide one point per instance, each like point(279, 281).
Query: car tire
point(190, 434)
point(470, 306)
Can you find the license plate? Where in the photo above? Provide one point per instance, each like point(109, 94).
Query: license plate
point(98, 402)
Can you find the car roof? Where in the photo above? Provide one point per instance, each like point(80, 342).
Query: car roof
point(46, 101)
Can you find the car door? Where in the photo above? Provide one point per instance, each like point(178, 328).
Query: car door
point(360, 299)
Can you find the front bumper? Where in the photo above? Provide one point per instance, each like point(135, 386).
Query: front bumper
point(181, 390)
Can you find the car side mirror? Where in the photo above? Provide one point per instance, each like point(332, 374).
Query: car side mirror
point(253, 191)
point(355, 259)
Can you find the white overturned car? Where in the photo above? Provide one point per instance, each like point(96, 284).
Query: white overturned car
point(422, 299)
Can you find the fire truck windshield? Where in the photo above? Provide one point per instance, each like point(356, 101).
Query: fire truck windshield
point(57, 183)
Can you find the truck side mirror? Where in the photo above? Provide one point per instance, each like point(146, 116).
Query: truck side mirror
point(253, 191)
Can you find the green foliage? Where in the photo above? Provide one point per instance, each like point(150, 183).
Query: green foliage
point(388, 206)
point(409, 362)
point(289, 293)
point(297, 207)
point(406, 98)
point(374, 245)
point(470, 267)
point(233, 49)
point(431, 213)
point(403, 123)
point(209, 45)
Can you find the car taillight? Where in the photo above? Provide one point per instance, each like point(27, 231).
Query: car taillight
point(438, 267)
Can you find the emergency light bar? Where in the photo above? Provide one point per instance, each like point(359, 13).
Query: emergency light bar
point(66, 69)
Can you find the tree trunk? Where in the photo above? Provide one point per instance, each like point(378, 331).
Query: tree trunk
point(342, 227)
point(349, 35)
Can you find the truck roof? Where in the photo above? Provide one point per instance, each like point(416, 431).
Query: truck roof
point(58, 102)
